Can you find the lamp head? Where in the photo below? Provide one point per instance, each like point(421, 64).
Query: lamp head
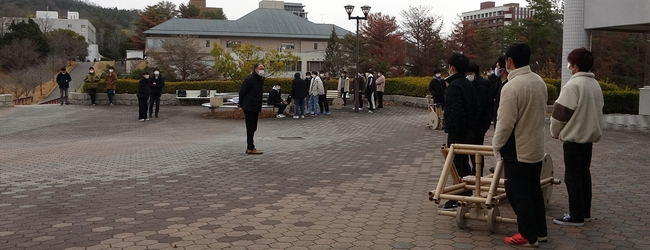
point(349, 8)
point(366, 10)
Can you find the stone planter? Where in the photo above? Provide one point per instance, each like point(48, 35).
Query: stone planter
point(6, 100)
point(119, 99)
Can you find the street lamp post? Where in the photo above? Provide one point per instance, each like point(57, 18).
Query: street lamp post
point(365, 9)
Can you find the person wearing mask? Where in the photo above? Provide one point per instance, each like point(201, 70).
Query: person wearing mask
point(111, 80)
point(371, 88)
point(518, 143)
point(63, 80)
point(92, 83)
point(460, 111)
point(381, 85)
point(143, 96)
point(358, 82)
point(491, 75)
point(577, 120)
point(315, 89)
point(157, 84)
point(299, 91)
point(483, 117)
point(250, 101)
point(275, 99)
point(344, 87)
point(437, 88)
point(322, 99)
point(502, 74)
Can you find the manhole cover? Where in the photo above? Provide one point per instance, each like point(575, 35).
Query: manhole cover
point(291, 138)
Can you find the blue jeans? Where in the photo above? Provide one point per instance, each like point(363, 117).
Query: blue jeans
point(299, 106)
point(313, 107)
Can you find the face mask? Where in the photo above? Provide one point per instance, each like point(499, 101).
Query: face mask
point(507, 69)
point(322, 75)
point(438, 75)
point(110, 70)
point(92, 71)
point(367, 74)
point(156, 72)
point(471, 78)
point(261, 73)
point(568, 66)
point(146, 77)
point(491, 72)
point(308, 77)
point(496, 72)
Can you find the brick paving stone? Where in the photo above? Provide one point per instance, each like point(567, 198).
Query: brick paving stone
point(93, 177)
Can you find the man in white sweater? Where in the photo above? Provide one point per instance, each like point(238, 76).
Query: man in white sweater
point(577, 121)
point(519, 143)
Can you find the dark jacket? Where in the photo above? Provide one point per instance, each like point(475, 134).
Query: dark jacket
point(360, 81)
point(157, 89)
point(63, 80)
point(275, 97)
point(497, 98)
point(299, 89)
point(326, 83)
point(143, 88)
point(371, 86)
point(251, 93)
point(485, 105)
point(460, 105)
point(437, 88)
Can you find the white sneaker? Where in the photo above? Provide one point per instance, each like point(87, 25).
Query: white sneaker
point(141, 120)
point(279, 116)
point(295, 117)
point(369, 111)
point(302, 117)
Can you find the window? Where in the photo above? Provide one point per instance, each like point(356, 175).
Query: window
point(315, 46)
point(69, 26)
point(154, 43)
point(293, 67)
point(207, 43)
point(229, 44)
point(83, 28)
point(315, 65)
point(287, 46)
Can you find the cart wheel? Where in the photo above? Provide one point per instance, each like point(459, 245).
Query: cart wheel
point(337, 103)
point(547, 171)
point(492, 219)
point(461, 221)
point(432, 120)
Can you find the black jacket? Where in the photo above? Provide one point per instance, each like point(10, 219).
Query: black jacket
point(251, 93)
point(275, 97)
point(299, 89)
point(371, 86)
point(360, 81)
point(437, 88)
point(485, 104)
point(460, 105)
point(160, 83)
point(497, 98)
point(143, 88)
point(63, 80)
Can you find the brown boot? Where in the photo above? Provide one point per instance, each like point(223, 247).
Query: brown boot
point(253, 152)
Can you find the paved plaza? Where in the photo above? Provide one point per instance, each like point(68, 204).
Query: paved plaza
point(79, 177)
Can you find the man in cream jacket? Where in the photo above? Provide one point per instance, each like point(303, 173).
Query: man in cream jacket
point(578, 122)
point(519, 143)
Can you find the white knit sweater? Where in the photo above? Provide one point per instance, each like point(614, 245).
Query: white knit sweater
point(578, 111)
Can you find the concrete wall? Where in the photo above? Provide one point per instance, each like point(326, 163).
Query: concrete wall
point(6, 100)
point(604, 14)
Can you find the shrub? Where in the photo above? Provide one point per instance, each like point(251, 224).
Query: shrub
point(408, 86)
point(621, 101)
point(552, 93)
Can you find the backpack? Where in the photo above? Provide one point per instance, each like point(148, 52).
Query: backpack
point(204, 93)
point(181, 93)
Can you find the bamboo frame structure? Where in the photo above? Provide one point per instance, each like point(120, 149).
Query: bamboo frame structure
point(488, 192)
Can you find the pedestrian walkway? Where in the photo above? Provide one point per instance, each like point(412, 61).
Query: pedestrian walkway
point(77, 74)
point(82, 177)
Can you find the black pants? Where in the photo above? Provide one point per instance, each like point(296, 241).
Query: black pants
point(281, 107)
point(380, 99)
point(371, 101)
point(360, 97)
point(251, 126)
point(344, 95)
point(525, 196)
point(461, 161)
point(92, 92)
point(577, 176)
point(322, 103)
point(64, 95)
point(478, 140)
point(152, 100)
point(142, 108)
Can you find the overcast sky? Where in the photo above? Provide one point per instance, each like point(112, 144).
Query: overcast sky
point(330, 11)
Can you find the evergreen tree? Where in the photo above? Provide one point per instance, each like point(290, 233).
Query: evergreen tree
point(26, 30)
point(188, 11)
point(335, 58)
point(150, 17)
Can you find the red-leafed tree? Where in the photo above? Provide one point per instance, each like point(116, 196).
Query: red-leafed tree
point(385, 45)
point(462, 40)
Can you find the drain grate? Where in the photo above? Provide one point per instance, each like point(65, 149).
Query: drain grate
point(291, 138)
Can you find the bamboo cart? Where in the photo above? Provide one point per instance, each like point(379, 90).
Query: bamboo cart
point(488, 191)
point(434, 116)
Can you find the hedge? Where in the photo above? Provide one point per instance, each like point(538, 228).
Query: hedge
point(616, 100)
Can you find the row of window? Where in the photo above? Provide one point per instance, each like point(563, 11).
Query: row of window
point(157, 43)
point(491, 21)
point(484, 15)
point(83, 27)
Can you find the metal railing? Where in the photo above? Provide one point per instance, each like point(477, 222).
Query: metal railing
point(24, 100)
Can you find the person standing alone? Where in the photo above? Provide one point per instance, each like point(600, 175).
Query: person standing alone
point(577, 121)
point(63, 80)
point(250, 101)
point(92, 83)
point(157, 84)
point(381, 84)
point(143, 96)
point(111, 80)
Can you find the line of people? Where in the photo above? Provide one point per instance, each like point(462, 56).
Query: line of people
point(515, 99)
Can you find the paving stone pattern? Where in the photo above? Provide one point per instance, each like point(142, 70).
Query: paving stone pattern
point(78, 177)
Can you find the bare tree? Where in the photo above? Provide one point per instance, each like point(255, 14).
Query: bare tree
point(26, 80)
point(19, 54)
point(422, 32)
point(45, 24)
point(182, 57)
point(67, 44)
